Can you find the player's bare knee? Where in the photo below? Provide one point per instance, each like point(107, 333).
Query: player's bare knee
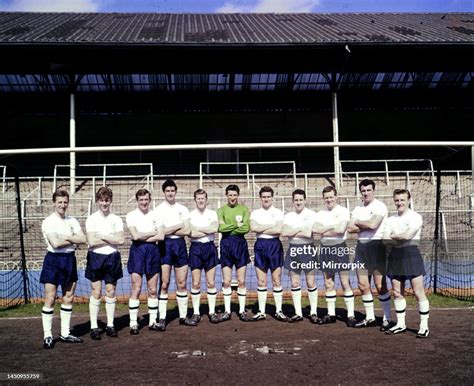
point(276, 283)
point(49, 301)
point(67, 299)
point(381, 289)
point(135, 293)
point(210, 284)
point(181, 285)
point(262, 283)
point(196, 286)
point(397, 294)
point(346, 286)
point(420, 294)
point(241, 283)
point(329, 285)
point(364, 287)
point(96, 294)
point(164, 286)
point(110, 293)
point(152, 293)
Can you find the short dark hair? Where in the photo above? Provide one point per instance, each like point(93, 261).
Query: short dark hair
point(142, 192)
point(328, 189)
point(104, 192)
point(402, 191)
point(235, 188)
point(366, 182)
point(167, 184)
point(265, 189)
point(200, 191)
point(298, 191)
point(60, 193)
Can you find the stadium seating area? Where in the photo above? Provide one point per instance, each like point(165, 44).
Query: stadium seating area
point(455, 206)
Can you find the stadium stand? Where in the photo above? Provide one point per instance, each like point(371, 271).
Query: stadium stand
point(240, 78)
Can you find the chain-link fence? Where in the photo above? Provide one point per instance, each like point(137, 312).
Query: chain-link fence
point(445, 203)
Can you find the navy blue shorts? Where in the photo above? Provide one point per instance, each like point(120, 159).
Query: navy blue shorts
point(59, 269)
point(405, 263)
point(373, 255)
point(331, 257)
point(234, 251)
point(173, 252)
point(268, 254)
point(299, 257)
point(104, 267)
point(144, 258)
point(203, 256)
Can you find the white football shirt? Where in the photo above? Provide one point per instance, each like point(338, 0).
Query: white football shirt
point(68, 226)
point(268, 216)
point(106, 225)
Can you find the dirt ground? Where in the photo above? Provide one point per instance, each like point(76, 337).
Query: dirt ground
point(235, 352)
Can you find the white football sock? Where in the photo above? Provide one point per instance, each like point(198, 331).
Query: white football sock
point(349, 300)
point(196, 299)
point(133, 305)
point(110, 310)
point(242, 293)
point(47, 315)
point(66, 314)
point(94, 306)
point(227, 298)
point(313, 300)
point(424, 310)
point(400, 309)
point(385, 304)
point(262, 299)
point(162, 306)
point(182, 299)
point(211, 299)
point(152, 310)
point(368, 301)
point(296, 296)
point(331, 302)
point(278, 298)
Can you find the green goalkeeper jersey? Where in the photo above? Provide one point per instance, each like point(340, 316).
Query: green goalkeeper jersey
point(230, 216)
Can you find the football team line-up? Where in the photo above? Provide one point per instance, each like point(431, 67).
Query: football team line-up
point(158, 246)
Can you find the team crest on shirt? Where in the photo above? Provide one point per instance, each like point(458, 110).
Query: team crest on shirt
point(238, 218)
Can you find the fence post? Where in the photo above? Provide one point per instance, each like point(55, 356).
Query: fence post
point(151, 177)
point(200, 175)
point(54, 177)
point(40, 191)
point(247, 168)
point(436, 231)
point(22, 241)
point(295, 183)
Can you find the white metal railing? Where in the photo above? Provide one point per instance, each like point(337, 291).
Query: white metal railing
point(233, 146)
point(247, 169)
point(104, 167)
point(462, 177)
point(386, 162)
